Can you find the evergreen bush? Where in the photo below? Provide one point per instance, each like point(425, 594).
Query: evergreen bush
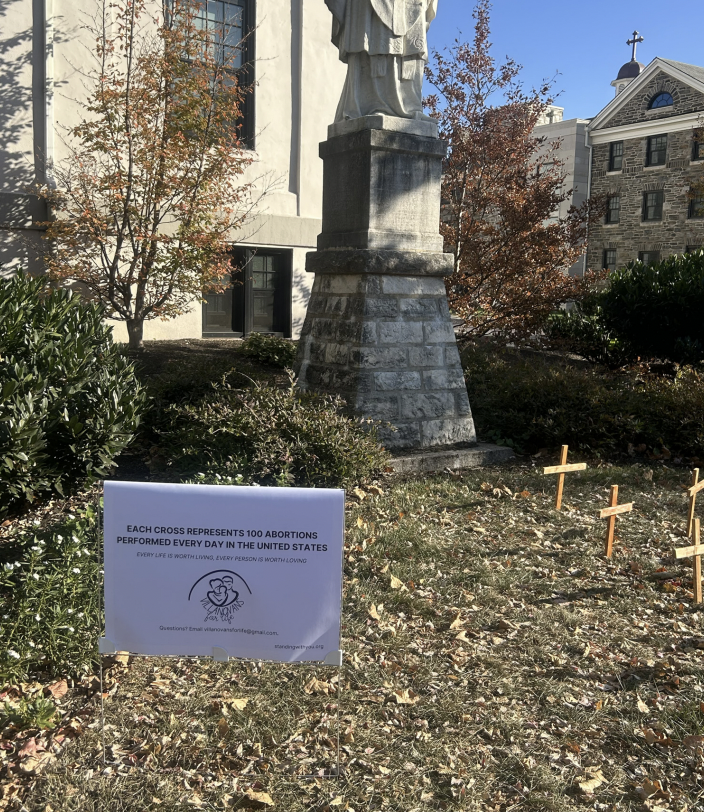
point(50, 599)
point(645, 312)
point(268, 436)
point(656, 310)
point(583, 330)
point(532, 403)
point(272, 350)
point(70, 401)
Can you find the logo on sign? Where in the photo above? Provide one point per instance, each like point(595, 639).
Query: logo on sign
point(220, 594)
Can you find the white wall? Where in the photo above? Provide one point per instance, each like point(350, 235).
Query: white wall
point(574, 154)
point(299, 80)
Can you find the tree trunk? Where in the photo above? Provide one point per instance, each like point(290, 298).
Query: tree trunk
point(135, 330)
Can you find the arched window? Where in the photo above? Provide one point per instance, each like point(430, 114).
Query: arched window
point(661, 100)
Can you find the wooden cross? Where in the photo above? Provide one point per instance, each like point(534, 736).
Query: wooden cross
point(692, 493)
point(696, 551)
point(562, 469)
point(610, 513)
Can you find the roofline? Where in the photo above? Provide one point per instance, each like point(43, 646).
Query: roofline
point(643, 129)
point(563, 121)
point(634, 86)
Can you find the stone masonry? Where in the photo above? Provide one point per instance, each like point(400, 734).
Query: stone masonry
point(632, 234)
point(378, 330)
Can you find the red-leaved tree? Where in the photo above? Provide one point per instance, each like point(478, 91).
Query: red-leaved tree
point(147, 201)
point(502, 187)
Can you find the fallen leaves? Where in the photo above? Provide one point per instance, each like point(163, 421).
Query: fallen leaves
point(57, 690)
point(238, 704)
point(591, 781)
point(37, 763)
point(316, 686)
point(459, 669)
point(256, 800)
point(657, 737)
point(406, 697)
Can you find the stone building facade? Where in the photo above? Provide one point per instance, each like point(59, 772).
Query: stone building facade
point(646, 154)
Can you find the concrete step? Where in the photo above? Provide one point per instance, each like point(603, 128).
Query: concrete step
point(455, 459)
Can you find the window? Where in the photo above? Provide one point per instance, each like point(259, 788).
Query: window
point(696, 205)
point(259, 300)
point(225, 18)
point(613, 211)
point(652, 205)
point(692, 248)
point(615, 156)
point(230, 23)
point(649, 257)
point(698, 149)
point(609, 259)
point(661, 100)
point(657, 150)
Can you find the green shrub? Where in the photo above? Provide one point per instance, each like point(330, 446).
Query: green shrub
point(28, 713)
point(70, 402)
point(537, 404)
point(268, 349)
point(583, 330)
point(50, 600)
point(656, 310)
point(269, 436)
point(646, 311)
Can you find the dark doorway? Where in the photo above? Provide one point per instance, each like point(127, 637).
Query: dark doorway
point(258, 300)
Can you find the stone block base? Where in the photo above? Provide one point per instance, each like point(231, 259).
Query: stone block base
point(385, 343)
point(453, 459)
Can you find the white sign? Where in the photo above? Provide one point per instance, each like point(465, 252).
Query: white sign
point(202, 570)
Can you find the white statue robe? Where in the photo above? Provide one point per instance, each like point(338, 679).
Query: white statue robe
point(385, 46)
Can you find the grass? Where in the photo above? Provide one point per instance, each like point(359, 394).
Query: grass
point(494, 661)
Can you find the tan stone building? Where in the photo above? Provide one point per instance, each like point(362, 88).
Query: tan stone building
point(645, 157)
point(298, 82)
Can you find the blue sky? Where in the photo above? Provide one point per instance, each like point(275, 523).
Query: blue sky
point(584, 42)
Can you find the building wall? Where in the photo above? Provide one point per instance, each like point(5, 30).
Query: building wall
point(574, 154)
point(632, 235)
point(21, 163)
point(687, 100)
point(43, 48)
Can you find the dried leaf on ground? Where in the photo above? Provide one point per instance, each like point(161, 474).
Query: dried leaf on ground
point(591, 781)
point(256, 800)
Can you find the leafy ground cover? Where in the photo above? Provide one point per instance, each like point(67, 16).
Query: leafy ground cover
point(494, 661)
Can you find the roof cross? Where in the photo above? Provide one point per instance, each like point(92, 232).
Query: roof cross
point(634, 42)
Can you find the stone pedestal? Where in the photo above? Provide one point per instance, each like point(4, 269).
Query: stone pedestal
point(378, 329)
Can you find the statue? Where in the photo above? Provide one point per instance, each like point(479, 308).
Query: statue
point(385, 46)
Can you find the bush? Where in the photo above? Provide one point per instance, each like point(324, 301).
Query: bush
point(646, 311)
point(268, 436)
point(268, 349)
point(582, 330)
point(70, 400)
point(656, 310)
point(537, 404)
point(50, 600)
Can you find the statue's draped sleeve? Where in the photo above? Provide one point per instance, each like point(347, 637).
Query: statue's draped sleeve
point(431, 11)
point(337, 7)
